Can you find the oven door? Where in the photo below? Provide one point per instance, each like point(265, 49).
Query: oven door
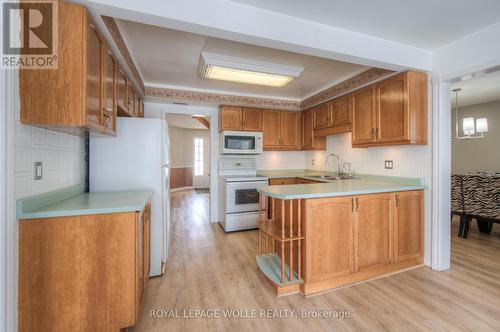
point(243, 196)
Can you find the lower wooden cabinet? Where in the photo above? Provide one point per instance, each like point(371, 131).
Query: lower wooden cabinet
point(328, 238)
point(353, 238)
point(282, 181)
point(83, 273)
point(373, 219)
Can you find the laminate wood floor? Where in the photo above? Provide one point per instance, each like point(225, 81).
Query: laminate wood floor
point(209, 269)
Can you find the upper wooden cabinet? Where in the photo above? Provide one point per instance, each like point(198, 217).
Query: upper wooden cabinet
point(396, 114)
point(121, 91)
point(363, 116)
point(230, 118)
point(332, 118)
point(309, 142)
point(282, 130)
point(252, 119)
point(83, 93)
point(240, 118)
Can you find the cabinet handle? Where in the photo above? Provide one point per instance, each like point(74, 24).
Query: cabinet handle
point(376, 133)
point(397, 200)
point(357, 204)
point(352, 204)
point(373, 133)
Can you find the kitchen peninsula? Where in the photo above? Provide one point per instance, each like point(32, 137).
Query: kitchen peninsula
point(326, 233)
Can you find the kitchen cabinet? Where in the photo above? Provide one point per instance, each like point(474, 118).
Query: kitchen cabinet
point(230, 118)
point(271, 125)
point(282, 130)
point(252, 119)
point(309, 141)
point(121, 91)
point(408, 226)
point(332, 118)
point(396, 113)
point(305, 181)
point(282, 181)
point(328, 238)
point(363, 116)
point(109, 110)
point(84, 272)
point(81, 95)
point(373, 222)
point(240, 118)
point(291, 130)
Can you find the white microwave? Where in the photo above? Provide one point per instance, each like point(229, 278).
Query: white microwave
point(241, 142)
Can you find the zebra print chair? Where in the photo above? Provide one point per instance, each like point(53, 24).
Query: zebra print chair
point(481, 200)
point(457, 201)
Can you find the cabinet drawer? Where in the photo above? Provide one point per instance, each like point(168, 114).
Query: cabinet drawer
point(282, 181)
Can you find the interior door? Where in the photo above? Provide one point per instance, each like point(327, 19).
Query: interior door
point(201, 162)
point(392, 109)
point(363, 116)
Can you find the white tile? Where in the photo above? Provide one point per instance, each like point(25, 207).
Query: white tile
point(38, 136)
point(22, 160)
point(63, 178)
point(51, 177)
point(22, 136)
point(22, 185)
point(51, 160)
point(52, 138)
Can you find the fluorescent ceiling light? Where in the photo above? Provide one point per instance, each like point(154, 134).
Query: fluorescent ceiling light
point(227, 68)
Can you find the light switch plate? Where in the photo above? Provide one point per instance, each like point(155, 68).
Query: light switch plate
point(38, 170)
point(388, 164)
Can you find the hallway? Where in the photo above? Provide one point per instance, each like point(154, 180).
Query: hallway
point(209, 269)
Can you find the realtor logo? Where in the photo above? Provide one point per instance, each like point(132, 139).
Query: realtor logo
point(29, 34)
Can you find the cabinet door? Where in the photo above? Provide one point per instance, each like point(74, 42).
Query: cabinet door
point(252, 119)
point(94, 98)
point(139, 229)
point(307, 130)
point(408, 223)
point(328, 238)
point(392, 109)
point(282, 181)
point(109, 109)
point(373, 231)
point(121, 90)
point(137, 101)
point(230, 118)
point(321, 116)
point(291, 130)
point(130, 98)
point(271, 129)
point(339, 111)
point(363, 116)
point(147, 244)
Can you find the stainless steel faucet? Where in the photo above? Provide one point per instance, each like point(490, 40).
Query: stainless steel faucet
point(339, 170)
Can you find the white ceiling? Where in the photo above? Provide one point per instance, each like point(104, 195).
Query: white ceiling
point(184, 121)
point(170, 57)
point(478, 90)
point(425, 24)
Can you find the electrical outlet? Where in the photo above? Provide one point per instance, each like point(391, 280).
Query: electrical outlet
point(388, 164)
point(312, 162)
point(38, 170)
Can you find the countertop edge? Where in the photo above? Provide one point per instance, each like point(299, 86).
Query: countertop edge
point(85, 212)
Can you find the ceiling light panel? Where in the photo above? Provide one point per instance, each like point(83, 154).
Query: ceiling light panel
point(232, 69)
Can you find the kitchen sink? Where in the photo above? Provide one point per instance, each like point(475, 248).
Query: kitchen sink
point(333, 177)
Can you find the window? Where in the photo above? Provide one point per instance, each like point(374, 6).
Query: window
point(198, 156)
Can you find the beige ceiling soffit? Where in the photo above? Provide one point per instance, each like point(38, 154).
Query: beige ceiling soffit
point(202, 120)
point(350, 84)
point(220, 99)
point(120, 43)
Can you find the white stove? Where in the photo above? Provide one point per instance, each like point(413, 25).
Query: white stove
point(238, 198)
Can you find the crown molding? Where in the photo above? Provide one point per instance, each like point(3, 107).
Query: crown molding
point(122, 47)
point(357, 81)
point(219, 98)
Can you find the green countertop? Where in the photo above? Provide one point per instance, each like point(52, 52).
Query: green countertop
point(365, 184)
point(72, 202)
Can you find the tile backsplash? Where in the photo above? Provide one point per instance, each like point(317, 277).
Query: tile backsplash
point(62, 157)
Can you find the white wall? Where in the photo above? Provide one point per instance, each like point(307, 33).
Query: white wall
point(182, 147)
point(477, 154)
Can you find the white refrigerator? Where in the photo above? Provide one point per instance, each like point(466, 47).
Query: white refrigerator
point(137, 158)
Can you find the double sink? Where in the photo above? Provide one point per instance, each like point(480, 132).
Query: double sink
point(333, 177)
